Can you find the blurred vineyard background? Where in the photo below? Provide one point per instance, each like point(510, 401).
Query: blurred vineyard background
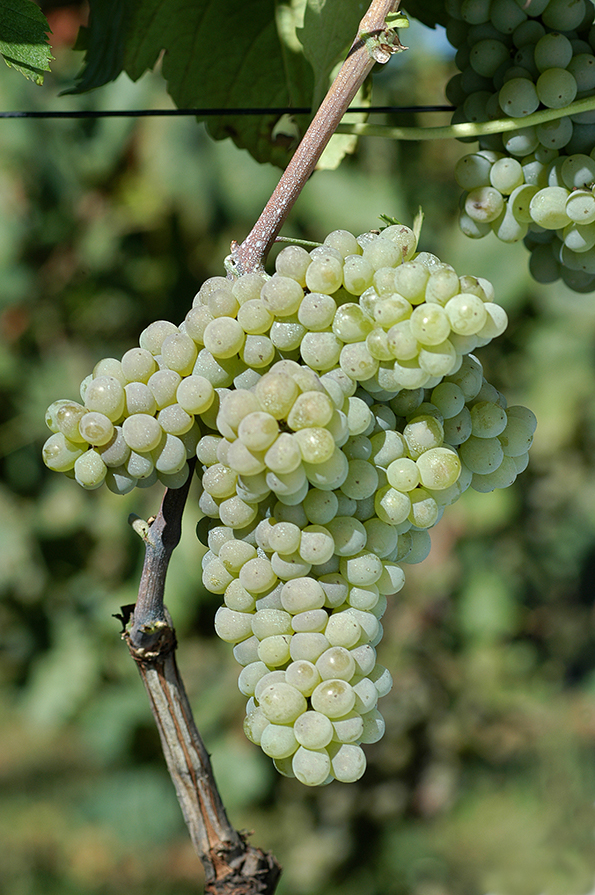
point(485, 780)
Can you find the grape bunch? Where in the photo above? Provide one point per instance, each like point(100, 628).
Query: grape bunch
point(535, 183)
point(334, 409)
point(311, 544)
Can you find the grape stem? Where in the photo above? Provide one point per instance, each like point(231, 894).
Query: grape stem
point(467, 128)
point(253, 251)
point(232, 866)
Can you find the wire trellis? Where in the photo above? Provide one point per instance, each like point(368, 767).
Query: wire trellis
point(205, 113)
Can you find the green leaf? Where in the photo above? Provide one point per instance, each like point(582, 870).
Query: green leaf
point(23, 38)
point(104, 40)
point(207, 62)
point(271, 53)
point(430, 12)
point(329, 29)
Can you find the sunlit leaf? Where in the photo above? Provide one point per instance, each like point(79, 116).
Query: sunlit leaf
point(24, 38)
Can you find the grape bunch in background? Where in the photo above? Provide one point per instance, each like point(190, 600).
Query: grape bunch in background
point(535, 183)
point(334, 410)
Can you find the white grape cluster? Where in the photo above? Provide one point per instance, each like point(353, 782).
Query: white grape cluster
point(323, 492)
point(535, 183)
point(334, 409)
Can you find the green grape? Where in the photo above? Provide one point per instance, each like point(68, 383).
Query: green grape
point(424, 509)
point(60, 454)
point(506, 15)
point(222, 303)
point(506, 175)
point(487, 419)
point(97, 429)
point(174, 420)
point(139, 399)
point(555, 134)
point(223, 338)
point(110, 366)
point(582, 68)
point(140, 465)
point(472, 171)
point(106, 395)
point(578, 171)
point(548, 207)
point(90, 470)
point(286, 335)
point(528, 32)
point(475, 107)
point(138, 365)
point(358, 274)
point(254, 317)
point(484, 204)
point(282, 295)
point(64, 416)
point(475, 12)
point(487, 55)
point(517, 437)
point(119, 481)
point(520, 201)
point(383, 253)
point(429, 324)
point(116, 452)
point(439, 468)
point(519, 97)
point(563, 15)
point(164, 386)
point(303, 675)
point(472, 229)
point(556, 88)
point(553, 50)
point(317, 311)
point(438, 360)
point(344, 242)
point(361, 480)
point(579, 238)
point(522, 141)
point(293, 262)
point(481, 455)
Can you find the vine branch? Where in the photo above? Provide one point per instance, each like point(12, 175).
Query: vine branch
point(232, 866)
point(467, 128)
point(252, 252)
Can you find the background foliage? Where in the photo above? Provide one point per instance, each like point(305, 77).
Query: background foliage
point(485, 779)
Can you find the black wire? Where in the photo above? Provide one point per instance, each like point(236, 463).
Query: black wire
point(203, 113)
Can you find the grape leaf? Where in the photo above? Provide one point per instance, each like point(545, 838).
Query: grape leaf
point(24, 38)
point(104, 41)
point(216, 55)
point(329, 29)
point(430, 12)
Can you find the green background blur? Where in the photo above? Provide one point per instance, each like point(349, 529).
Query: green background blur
point(485, 780)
